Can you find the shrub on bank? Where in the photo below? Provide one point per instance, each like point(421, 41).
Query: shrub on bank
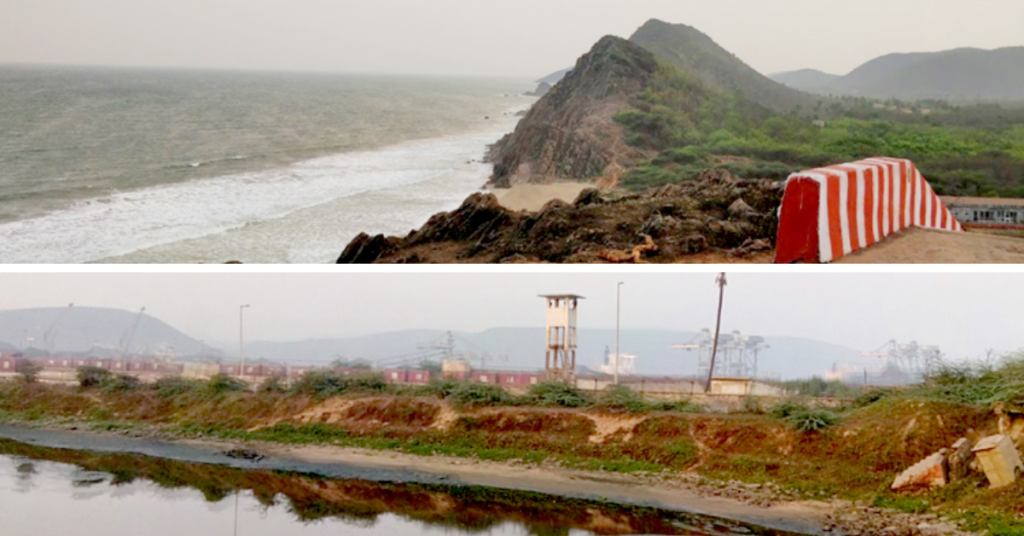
point(619, 398)
point(322, 384)
point(97, 377)
point(171, 386)
point(812, 420)
point(222, 383)
point(469, 394)
point(92, 376)
point(552, 393)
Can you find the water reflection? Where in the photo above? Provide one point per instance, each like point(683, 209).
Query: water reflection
point(48, 490)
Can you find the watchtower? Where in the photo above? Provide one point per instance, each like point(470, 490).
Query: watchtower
point(560, 356)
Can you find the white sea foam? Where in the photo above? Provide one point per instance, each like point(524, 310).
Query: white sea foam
point(123, 222)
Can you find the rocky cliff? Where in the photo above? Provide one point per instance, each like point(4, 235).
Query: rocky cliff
point(570, 133)
point(716, 213)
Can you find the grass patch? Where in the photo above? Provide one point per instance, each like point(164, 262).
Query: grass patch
point(912, 505)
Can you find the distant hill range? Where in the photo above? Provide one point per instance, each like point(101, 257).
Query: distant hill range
point(523, 349)
point(963, 74)
point(99, 331)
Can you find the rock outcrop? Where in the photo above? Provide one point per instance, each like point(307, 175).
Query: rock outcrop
point(570, 133)
point(716, 212)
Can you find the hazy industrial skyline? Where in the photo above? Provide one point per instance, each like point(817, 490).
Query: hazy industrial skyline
point(965, 314)
point(527, 38)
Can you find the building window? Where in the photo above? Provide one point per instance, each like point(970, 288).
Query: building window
point(7, 365)
point(533, 381)
point(483, 379)
point(394, 375)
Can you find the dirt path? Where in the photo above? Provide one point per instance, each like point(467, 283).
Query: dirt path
point(922, 246)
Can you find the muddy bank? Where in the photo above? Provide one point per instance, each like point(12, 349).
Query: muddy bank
point(803, 517)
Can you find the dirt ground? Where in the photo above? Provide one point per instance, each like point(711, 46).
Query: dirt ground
point(923, 246)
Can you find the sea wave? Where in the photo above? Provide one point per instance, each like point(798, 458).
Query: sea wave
point(122, 222)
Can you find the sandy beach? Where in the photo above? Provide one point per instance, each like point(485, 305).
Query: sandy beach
point(533, 197)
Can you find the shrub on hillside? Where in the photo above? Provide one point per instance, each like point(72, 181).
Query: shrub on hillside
point(552, 393)
point(92, 376)
point(272, 384)
point(222, 383)
point(326, 383)
point(786, 408)
point(976, 384)
point(870, 397)
point(682, 406)
point(441, 387)
point(622, 398)
point(469, 394)
point(120, 382)
point(29, 371)
point(812, 420)
point(170, 386)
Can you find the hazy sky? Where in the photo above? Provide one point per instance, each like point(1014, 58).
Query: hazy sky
point(482, 37)
point(965, 314)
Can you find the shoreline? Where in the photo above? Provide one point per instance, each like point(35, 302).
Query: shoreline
point(807, 517)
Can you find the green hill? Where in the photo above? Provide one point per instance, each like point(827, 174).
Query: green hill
point(695, 53)
point(963, 74)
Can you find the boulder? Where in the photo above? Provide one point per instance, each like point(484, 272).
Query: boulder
point(363, 249)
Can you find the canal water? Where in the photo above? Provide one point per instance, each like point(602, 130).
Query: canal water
point(46, 490)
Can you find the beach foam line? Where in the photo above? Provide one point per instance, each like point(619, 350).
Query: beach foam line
point(122, 222)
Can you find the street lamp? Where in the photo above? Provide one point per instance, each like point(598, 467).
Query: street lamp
point(241, 351)
point(618, 300)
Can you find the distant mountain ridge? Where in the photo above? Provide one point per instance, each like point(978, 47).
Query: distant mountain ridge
point(806, 79)
point(787, 357)
point(80, 329)
point(958, 74)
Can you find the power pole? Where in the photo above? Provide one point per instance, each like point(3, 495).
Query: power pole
point(720, 281)
point(618, 299)
point(241, 347)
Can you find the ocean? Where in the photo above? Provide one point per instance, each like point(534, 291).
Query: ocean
point(164, 166)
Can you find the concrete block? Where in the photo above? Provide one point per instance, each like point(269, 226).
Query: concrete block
point(930, 471)
point(999, 459)
point(959, 459)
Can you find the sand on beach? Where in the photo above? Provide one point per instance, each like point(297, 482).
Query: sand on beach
point(533, 197)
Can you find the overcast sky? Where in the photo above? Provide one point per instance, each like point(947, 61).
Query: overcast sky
point(482, 37)
point(965, 314)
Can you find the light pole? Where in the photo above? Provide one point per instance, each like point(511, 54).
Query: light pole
point(241, 348)
point(720, 281)
point(618, 308)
